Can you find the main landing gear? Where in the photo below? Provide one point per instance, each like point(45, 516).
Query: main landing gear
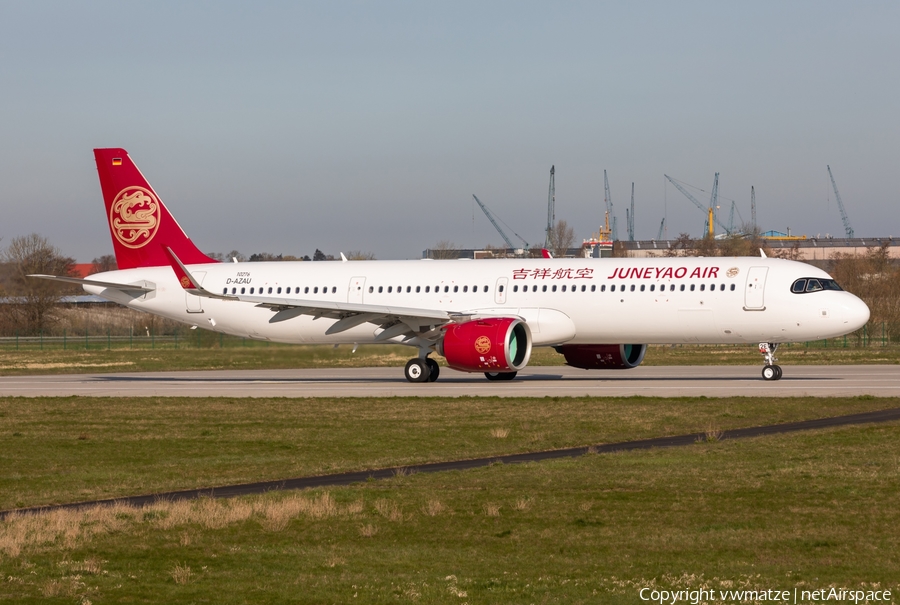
point(770, 371)
point(422, 369)
point(500, 375)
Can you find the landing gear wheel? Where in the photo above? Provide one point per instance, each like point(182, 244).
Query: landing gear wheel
point(434, 370)
point(770, 373)
point(417, 370)
point(500, 375)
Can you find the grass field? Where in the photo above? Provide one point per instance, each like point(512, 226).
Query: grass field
point(808, 511)
point(251, 355)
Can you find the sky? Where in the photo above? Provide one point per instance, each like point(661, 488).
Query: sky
point(284, 127)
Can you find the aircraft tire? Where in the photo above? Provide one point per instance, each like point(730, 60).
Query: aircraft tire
point(434, 370)
point(416, 370)
point(770, 373)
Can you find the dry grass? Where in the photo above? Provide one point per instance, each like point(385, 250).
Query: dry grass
point(389, 510)
point(368, 530)
point(491, 509)
point(500, 433)
point(433, 508)
point(68, 529)
point(181, 574)
point(522, 504)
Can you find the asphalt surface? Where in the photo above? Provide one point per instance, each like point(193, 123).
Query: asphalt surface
point(229, 491)
point(556, 381)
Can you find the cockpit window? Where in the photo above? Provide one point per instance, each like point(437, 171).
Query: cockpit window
point(814, 284)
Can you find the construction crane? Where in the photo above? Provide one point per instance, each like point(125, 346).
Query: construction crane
point(847, 228)
point(713, 206)
point(551, 206)
point(662, 227)
point(753, 207)
point(697, 202)
point(630, 218)
point(609, 206)
point(490, 216)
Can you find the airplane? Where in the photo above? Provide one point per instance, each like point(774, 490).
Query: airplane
point(481, 316)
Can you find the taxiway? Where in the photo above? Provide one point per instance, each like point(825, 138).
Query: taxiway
point(555, 381)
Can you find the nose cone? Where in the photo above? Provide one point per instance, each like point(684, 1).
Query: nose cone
point(856, 313)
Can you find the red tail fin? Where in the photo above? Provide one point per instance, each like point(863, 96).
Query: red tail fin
point(140, 224)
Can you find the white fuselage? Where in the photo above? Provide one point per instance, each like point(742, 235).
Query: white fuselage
point(564, 301)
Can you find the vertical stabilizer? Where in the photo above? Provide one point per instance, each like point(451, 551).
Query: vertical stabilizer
point(140, 225)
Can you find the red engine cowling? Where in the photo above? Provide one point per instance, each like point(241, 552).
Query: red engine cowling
point(603, 357)
point(494, 344)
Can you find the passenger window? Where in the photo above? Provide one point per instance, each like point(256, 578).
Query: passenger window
point(583, 288)
point(456, 288)
point(279, 289)
point(564, 288)
point(813, 285)
point(693, 287)
point(316, 290)
point(251, 290)
point(234, 290)
point(643, 287)
point(500, 288)
point(652, 287)
point(427, 289)
point(485, 288)
point(554, 288)
point(682, 287)
point(225, 291)
point(702, 287)
point(465, 288)
point(380, 289)
point(242, 290)
point(612, 288)
point(334, 289)
point(306, 290)
point(371, 289)
point(446, 289)
point(732, 287)
point(632, 287)
point(418, 289)
point(544, 289)
point(515, 288)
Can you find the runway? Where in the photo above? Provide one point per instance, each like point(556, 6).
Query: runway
point(555, 381)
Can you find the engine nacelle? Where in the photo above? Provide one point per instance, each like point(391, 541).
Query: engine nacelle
point(493, 344)
point(603, 357)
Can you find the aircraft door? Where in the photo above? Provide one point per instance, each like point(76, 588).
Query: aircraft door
point(500, 290)
point(356, 290)
point(754, 299)
point(194, 303)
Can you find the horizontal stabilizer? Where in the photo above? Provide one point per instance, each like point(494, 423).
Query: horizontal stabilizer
point(93, 282)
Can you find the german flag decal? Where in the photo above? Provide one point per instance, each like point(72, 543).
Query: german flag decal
point(117, 161)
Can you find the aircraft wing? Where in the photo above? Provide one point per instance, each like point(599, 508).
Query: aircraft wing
point(409, 322)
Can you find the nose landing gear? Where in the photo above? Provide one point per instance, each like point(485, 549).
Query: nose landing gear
point(770, 371)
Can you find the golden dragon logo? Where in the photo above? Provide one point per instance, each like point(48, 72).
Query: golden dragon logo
point(134, 217)
point(482, 345)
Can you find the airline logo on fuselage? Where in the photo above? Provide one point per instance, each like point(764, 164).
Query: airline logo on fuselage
point(134, 217)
